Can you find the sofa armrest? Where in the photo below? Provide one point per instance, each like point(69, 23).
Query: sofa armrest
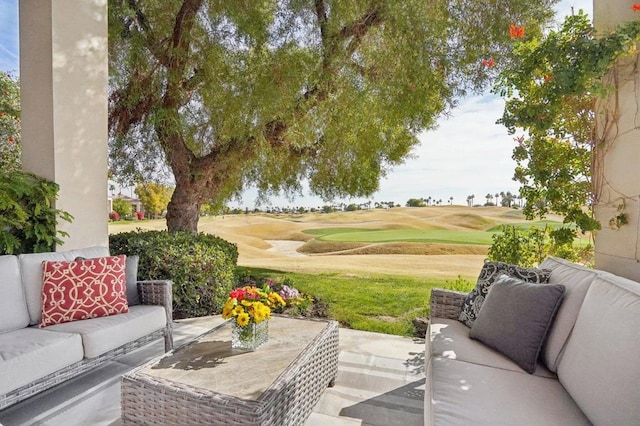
point(159, 292)
point(446, 303)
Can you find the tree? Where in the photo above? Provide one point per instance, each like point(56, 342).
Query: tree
point(489, 197)
point(228, 93)
point(154, 197)
point(550, 92)
point(122, 207)
point(352, 207)
point(416, 202)
point(10, 146)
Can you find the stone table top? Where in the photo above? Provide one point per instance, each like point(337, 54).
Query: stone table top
point(210, 363)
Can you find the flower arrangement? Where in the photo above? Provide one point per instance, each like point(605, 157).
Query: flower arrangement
point(251, 304)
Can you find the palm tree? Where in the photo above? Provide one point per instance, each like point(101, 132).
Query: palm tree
point(450, 201)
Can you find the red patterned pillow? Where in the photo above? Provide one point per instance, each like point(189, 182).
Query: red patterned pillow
point(83, 289)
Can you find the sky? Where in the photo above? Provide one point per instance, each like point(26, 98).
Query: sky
point(467, 154)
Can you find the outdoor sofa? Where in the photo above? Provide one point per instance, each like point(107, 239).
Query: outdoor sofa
point(33, 358)
point(588, 370)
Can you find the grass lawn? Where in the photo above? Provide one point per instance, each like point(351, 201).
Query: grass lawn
point(383, 304)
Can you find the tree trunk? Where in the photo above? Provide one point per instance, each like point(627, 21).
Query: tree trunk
point(183, 211)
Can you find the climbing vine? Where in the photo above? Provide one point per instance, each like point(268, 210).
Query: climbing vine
point(551, 88)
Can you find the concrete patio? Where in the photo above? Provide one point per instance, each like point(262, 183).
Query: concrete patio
point(380, 382)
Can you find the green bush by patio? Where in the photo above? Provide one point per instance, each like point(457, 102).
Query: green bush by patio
point(201, 266)
point(28, 217)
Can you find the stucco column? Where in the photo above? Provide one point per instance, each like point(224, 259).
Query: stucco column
point(63, 82)
point(616, 167)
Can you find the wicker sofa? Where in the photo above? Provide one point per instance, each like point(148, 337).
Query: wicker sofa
point(34, 359)
point(588, 371)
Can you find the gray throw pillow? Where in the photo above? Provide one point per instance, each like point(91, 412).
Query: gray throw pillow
point(516, 317)
point(131, 275)
point(488, 274)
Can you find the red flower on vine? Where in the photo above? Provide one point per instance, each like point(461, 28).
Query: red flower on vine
point(636, 7)
point(488, 62)
point(515, 31)
point(11, 139)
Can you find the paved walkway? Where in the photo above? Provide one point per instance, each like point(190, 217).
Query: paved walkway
point(380, 382)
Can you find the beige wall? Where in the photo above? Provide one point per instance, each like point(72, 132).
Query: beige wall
point(63, 73)
point(616, 162)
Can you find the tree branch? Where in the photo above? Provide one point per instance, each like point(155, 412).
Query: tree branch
point(182, 27)
point(155, 46)
point(123, 115)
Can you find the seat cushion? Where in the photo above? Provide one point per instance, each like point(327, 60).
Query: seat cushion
point(13, 306)
point(462, 393)
point(488, 274)
point(600, 366)
point(31, 270)
point(449, 338)
point(516, 317)
point(100, 335)
point(29, 354)
point(576, 280)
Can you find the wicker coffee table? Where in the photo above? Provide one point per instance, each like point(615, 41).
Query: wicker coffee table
point(207, 382)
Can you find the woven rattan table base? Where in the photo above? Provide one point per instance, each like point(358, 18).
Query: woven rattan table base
point(207, 382)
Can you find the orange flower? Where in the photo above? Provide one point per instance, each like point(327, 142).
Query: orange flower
point(515, 31)
point(547, 78)
point(636, 7)
point(488, 63)
point(11, 139)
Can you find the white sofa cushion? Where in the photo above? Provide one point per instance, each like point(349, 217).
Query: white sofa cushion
point(600, 366)
point(29, 354)
point(100, 335)
point(13, 307)
point(576, 280)
point(449, 338)
point(31, 269)
point(462, 393)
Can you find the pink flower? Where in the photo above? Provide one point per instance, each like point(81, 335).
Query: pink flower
point(237, 294)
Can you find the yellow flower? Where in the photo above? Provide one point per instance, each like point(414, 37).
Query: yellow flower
point(226, 312)
point(276, 298)
point(246, 302)
point(243, 319)
point(238, 310)
point(260, 312)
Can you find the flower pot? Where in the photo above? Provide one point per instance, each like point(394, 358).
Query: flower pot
point(249, 337)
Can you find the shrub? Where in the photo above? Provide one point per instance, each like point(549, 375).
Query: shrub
point(122, 207)
point(140, 215)
point(114, 216)
point(530, 247)
point(28, 218)
point(201, 266)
